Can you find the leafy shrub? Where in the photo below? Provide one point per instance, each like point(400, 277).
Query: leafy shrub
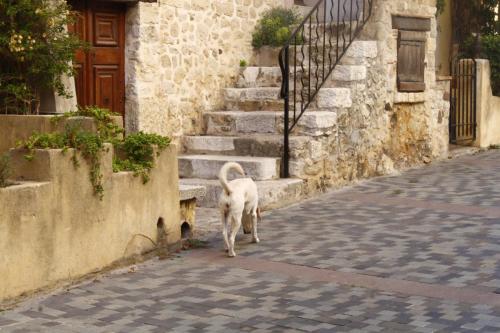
point(36, 51)
point(275, 27)
point(490, 49)
point(4, 169)
point(243, 63)
point(138, 150)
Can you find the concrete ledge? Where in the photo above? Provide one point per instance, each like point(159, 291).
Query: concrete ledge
point(188, 192)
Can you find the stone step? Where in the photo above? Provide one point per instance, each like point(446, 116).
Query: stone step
point(263, 77)
point(208, 166)
point(235, 123)
point(252, 77)
point(251, 145)
point(272, 193)
point(247, 99)
point(260, 99)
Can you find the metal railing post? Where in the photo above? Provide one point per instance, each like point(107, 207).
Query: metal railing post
point(286, 143)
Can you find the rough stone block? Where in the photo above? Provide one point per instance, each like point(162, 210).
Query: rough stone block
point(334, 98)
point(362, 49)
point(349, 73)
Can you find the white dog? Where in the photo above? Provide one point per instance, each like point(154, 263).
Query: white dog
point(238, 197)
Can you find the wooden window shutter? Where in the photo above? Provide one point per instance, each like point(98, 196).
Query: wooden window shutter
point(411, 61)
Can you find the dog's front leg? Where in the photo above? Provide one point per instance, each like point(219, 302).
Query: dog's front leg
point(225, 226)
point(236, 224)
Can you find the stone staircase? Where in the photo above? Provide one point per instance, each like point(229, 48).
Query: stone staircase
point(249, 131)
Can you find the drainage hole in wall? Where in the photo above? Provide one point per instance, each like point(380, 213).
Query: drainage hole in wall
point(185, 230)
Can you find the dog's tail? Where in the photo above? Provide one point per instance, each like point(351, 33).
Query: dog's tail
point(223, 174)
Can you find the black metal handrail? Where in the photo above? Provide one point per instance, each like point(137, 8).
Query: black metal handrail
point(315, 48)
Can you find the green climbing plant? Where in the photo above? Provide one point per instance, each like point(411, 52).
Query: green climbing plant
point(440, 6)
point(135, 152)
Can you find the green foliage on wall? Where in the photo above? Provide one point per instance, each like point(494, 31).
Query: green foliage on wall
point(440, 6)
point(138, 153)
point(491, 49)
point(135, 153)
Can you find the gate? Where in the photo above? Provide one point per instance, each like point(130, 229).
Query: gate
point(463, 101)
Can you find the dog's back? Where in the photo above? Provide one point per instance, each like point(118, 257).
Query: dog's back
point(238, 192)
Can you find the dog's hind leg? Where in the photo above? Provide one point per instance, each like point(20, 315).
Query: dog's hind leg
point(255, 237)
point(225, 226)
point(236, 224)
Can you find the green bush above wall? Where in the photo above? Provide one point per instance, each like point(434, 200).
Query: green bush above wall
point(491, 50)
point(36, 50)
point(275, 27)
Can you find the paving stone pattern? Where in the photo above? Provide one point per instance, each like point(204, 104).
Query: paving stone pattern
point(344, 231)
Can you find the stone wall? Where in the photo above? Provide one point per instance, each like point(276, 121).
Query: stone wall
point(384, 130)
point(179, 55)
point(488, 108)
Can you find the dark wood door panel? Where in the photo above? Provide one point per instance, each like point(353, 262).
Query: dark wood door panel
point(100, 78)
point(107, 81)
point(106, 29)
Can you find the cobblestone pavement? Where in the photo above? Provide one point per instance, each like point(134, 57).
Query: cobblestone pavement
point(413, 253)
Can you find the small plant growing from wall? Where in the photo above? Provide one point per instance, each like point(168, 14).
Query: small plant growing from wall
point(36, 51)
point(4, 170)
point(134, 153)
point(275, 27)
point(243, 63)
point(440, 7)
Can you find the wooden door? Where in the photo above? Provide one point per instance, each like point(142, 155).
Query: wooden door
point(100, 78)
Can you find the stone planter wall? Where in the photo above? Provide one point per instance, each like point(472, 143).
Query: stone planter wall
point(53, 229)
